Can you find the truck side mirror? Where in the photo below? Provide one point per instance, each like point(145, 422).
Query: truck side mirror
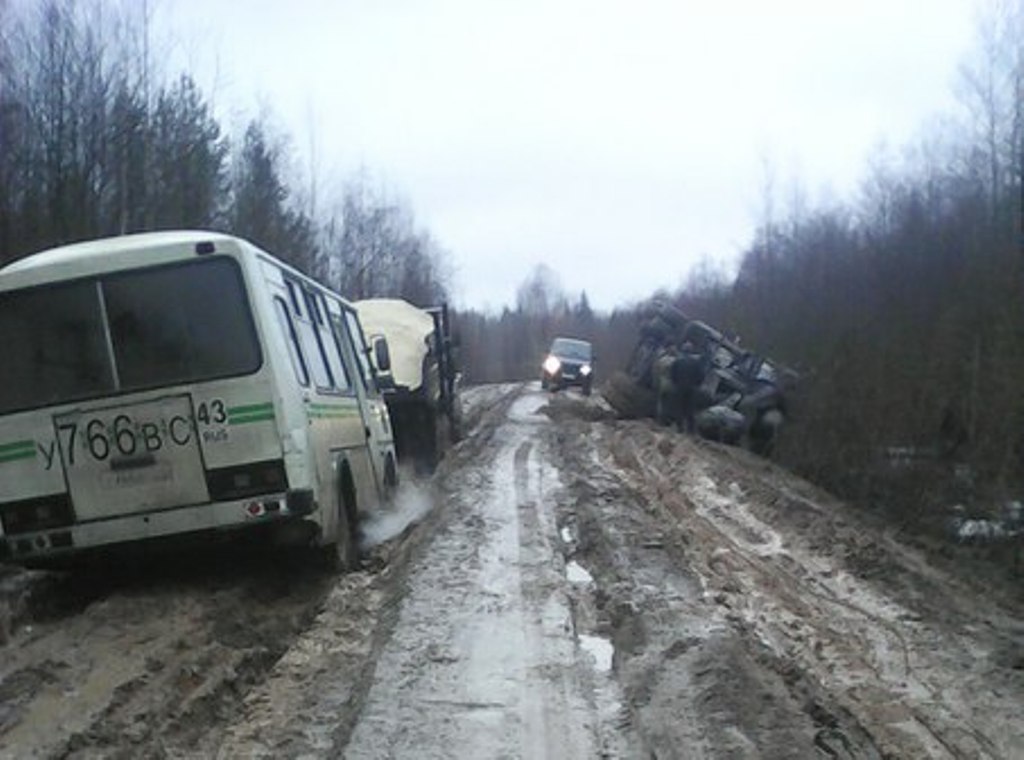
point(381, 353)
point(382, 363)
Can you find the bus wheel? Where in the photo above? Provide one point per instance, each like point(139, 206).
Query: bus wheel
point(342, 554)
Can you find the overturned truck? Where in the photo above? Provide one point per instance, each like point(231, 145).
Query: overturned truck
point(685, 372)
point(421, 392)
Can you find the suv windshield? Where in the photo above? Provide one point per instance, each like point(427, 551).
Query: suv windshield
point(567, 348)
point(123, 332)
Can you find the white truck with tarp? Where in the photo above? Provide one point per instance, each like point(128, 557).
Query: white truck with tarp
point(422, 390)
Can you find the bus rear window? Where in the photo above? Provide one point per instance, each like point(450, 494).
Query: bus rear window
point(54, 346)
point(167, 326)
point(180, 324)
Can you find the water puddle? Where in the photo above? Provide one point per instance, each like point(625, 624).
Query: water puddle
point(525, 408)
point(600, 649)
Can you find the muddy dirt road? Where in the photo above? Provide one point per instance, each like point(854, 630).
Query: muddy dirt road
point(567, 585)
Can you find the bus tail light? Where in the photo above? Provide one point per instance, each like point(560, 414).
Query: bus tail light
point(241, 481)
point(263, 508)
point(42, 513)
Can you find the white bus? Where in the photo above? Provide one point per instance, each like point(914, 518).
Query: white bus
point(181, 382)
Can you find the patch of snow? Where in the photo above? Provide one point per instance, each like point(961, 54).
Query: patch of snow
point(755, 535)
point(980, 530)
point(576, 573)
point(600, 649)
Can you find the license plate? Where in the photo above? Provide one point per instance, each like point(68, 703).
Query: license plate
point(132, 458)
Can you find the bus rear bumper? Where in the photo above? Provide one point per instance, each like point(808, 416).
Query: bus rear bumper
point(238, 514)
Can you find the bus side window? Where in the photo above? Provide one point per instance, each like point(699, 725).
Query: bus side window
point(308, 340)
point(338, 332)
point(294, 349)
point(324, 364)
point(355, 333)
point(294, 296)
point(335, 360)
point(313, 300)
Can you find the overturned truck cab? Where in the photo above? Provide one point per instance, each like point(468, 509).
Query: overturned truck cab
point(686, 372)
point(421, 391)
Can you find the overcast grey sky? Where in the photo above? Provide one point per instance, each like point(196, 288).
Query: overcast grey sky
point(618, 142)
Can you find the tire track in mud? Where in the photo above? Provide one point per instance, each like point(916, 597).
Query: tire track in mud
point(559, 620)
point(152, 663)
point(417, 704)
point(483, 661)
point(839, 630)
point(874, 676)
point(695, 686)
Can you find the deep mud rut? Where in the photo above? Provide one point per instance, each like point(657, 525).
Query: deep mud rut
point(566, 585)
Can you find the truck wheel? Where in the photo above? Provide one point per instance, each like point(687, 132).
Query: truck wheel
point(455, 426)
point(442, 437)
point(390, 480)
point(764, 432)
point(427, 452)
point(586, 389)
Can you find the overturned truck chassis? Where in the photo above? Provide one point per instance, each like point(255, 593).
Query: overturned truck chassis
point(685, 372)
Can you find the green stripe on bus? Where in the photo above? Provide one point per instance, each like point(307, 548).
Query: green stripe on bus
point(10, 448)
point(250, 408)
point(12, 456)
point(242, 419)
point(326, 410)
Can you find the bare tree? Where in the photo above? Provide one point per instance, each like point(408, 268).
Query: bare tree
point(372, 248)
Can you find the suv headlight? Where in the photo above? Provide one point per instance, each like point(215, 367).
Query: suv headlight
point(585, 370)
point(552, 365)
